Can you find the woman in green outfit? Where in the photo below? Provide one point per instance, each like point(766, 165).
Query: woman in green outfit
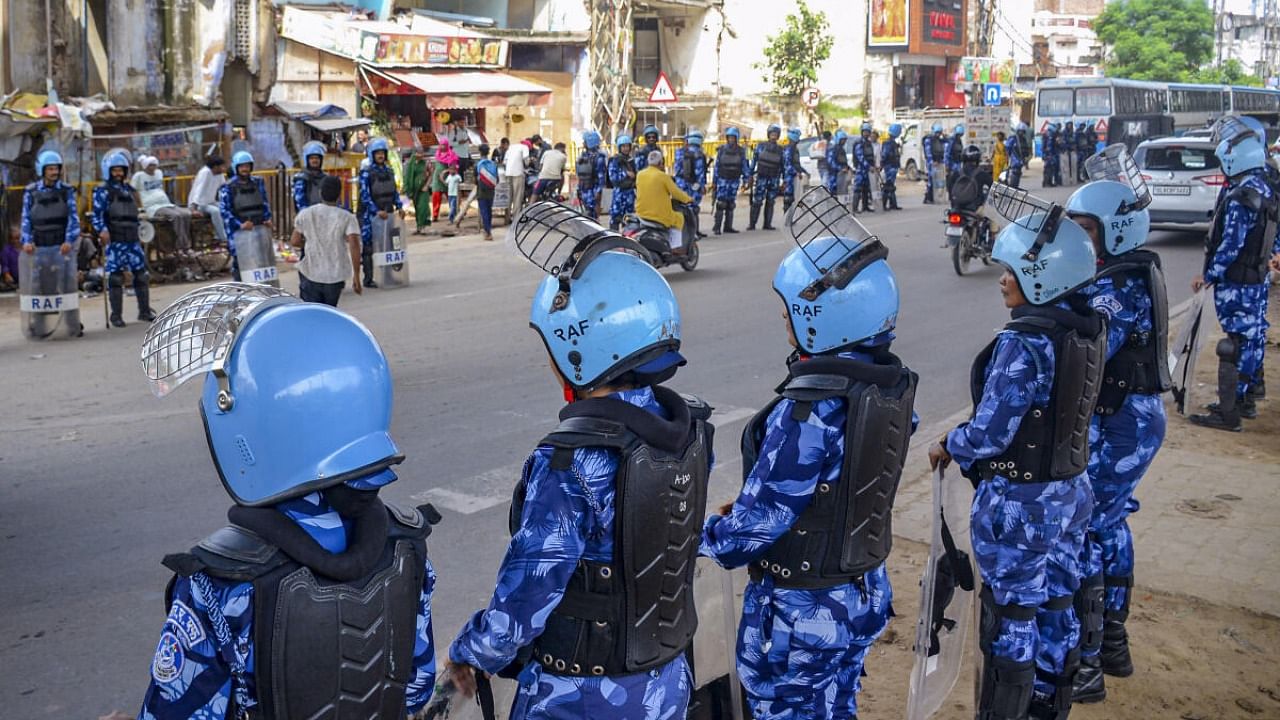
point(416, 186)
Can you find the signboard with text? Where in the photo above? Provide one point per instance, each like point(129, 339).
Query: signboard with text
point(335, 34)
point(940, 27)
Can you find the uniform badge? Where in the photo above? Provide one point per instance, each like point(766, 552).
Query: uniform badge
point(167, 664)
point(187, 624)
point(1106, 305)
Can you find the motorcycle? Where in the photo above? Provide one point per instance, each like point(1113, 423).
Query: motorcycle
point(969, 235)
point(654, 238)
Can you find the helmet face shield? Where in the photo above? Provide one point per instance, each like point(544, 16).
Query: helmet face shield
point(561, 241)
point(834, 242)
point(1115, 164)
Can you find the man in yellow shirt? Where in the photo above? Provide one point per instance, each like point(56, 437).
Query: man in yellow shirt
point(655, 190)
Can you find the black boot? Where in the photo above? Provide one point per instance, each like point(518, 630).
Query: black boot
point(728, 221)
point(142, 291)
point(1227, 415)
point(115, 294)
point(1115, 657)
point(366, 263)
point(1089, 685)
point(1247, 407)
point(719, 219)
point(867, 202)
point(753, 216)
point(768, 215)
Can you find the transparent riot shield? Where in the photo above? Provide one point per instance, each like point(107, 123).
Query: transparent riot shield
point(946, 629)
point(390, 254)
point(49, 303)
point(1187, 345)
point(256, 256)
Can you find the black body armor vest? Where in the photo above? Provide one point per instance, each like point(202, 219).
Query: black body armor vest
point(688, 170)
point(1142, 365)
point(1250, 266)
point(247, 201)
point(585, 169)
point(936, 146)
point(122, 214)
point(49, 213)
point(624, 163)
point(846, 529)
point(868, 151)
point(334, 635)
point(892, 158)
point(841, 158)
point(729, 162)
point(957, 149)
point(637, 612)
point(769, 159)
point(311, 182)
point(382, 188)
point(1052, 442)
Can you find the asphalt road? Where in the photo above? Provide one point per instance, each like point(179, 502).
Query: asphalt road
point(99, 480)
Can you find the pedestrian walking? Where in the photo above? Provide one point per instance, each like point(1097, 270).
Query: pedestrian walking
point(329, 236)
point(487, 179)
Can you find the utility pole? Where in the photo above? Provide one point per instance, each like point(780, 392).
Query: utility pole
point(609, 50)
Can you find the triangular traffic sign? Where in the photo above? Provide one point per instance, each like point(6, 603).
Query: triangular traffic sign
point(662, 91)
point(1101, 126)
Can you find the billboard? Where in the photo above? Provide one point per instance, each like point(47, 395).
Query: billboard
point(888, 23)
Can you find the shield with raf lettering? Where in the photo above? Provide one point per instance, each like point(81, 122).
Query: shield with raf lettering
point(49, 303)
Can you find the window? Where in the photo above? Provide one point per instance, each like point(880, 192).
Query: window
point(645, 61)
point(1175, 158)
point(1054, 103)
point(1195, 101)
point(1093, 101)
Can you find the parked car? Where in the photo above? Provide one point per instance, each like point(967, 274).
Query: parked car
point(1185, 178)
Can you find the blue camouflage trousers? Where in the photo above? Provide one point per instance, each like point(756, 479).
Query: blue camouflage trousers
point(931, 171)
point(624, 203)
point(727, 189)
point(789, 186)
point(862, 178)
point(693, 191)
point(801, 652)
point(1028, 541)
point(590, 199)
point(1241, 312)
point(766, 188)
point(123, 256)
point(659, 694)
point(891, 175)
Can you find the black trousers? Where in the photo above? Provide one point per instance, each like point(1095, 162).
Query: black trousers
point(327, 293)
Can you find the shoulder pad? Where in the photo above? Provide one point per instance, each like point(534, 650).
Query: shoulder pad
point(587, 431)
point(410, 521)
point(1248, 196)
point(1032, 324)
point(409, 517)
point(811, 387)
point(236, 543)
point(231, 552)
point(699, 409)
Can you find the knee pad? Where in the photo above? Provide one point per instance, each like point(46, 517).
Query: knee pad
point(1119, 581)
point(1228, 349)
point(1090, 606)
point(1007, 688)
point(115, 280)
point(991, 614)
point(142, 278)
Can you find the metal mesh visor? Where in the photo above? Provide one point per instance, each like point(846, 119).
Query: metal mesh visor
point(1021, 207)
point(1115, 163)
point(194, 333)
point(561, 241)
point(1230, 127)
point(819, 215)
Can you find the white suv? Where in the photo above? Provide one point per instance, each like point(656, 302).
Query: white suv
point(1185, 178)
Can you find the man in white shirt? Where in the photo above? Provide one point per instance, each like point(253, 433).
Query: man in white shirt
point(517, 160)
point(203, 198)
point(551, 172)
point(331, 238)
point(460, 139)
point(149, 182)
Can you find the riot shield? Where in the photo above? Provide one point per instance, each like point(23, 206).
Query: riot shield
point(49, 303)
point(844, 188)
point(946, 629)
point(256, 256)
point(877, 183)
point(719, 594)
point(390, 255)
point(1186, 347)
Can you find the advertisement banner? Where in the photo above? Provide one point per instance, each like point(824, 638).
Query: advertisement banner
point(339, 36)
point(889, 23)
point(985, 70)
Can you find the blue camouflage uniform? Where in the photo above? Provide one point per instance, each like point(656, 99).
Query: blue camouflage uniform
point(1028, 538)
point(931, 166)
point(369, 209)
point(800, 653)
point(1084, 149)
point(624, 200)
point(1049, 150)
point(229, 219)
point(73, 221)
point(865, 162)
point(693, 188)
point(1013, 148)
point(950, 154)
point(837, 162)
point(1241, 308)
point(120, 255)
point(192, 678)
point(791, 168)
point(1122, 445)
point(590, 197)
point(641, 155)
point(891, 160)
point(728, 189)
point(765, 187)
point(568, 517)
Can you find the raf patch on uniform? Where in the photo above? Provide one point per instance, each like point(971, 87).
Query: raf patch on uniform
point(167, 664)
point(188, 625)
point(1106, 305)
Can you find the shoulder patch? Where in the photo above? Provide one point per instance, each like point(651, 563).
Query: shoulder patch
point(187, 624)
point(166, 666)
point(1106, 304)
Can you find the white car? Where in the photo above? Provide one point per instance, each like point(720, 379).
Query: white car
point(1185, 178)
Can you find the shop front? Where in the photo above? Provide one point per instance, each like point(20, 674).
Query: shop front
point(923, 41)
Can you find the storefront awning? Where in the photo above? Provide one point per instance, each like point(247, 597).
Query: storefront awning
point(464, 88)
point(336, 124)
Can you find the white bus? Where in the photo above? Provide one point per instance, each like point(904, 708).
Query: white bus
point(1197, 106)
point(1095, 100)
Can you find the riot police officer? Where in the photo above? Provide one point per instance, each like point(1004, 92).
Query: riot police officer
point(864, 157)
point(1129, 422)
point(791, 168)
point(1026, 450)
point(593, 611)
point(1237, 249)
point(953, 149)
point(891, 162)
point(622, 178)
point(591, 168)
point(1013, 149)
point(766, 177)
point(49, 208)
point(731, 166)
point(933, 147)
point(316, 595)
point(1049, 151)
point(47, 268)
point(115, 219)
point(818, 460)
point(650, 136)
point(1068, 149)
point(837, 164)
point(244, 204)
point(306, 182)
point(691, 170)
point(379, 197)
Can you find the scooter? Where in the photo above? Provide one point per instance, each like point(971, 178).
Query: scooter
point(654, 237)
point(968, 234)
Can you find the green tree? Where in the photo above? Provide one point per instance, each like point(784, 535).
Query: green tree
point(793, 56)
point(1155, 39)
point(1231, 72)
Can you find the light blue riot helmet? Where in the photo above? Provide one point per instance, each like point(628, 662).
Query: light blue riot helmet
point(836, 284)
point(794, 134)
point(1117, 200)
point(895, 130)
point(591, 139)
point(840, 136)
point(732, 133)
point(281, 420)
point(45, 159)
point(694, 138)
point(241, 157)
point(1048, 254)
point(649, 130)
point(866, 127)
point(774, 128)
point(375, 145)
point(621, 140)
point(1241, 144)
point(937, 128)
point(114, 159)
point(314, 147)
point(602, 312)
point(959, 129)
